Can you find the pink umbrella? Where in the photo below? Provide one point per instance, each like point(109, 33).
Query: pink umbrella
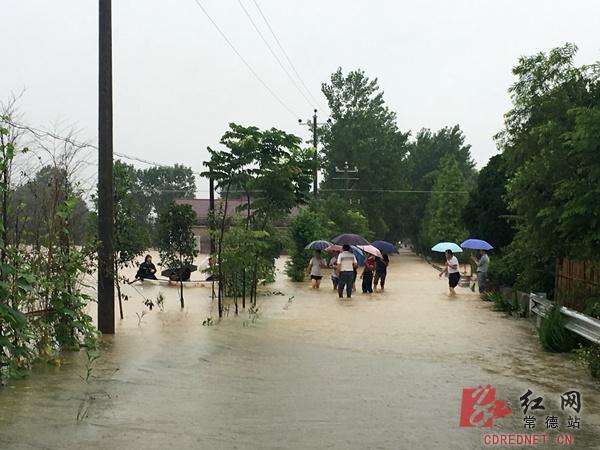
point(334, 248)
point(370, 249)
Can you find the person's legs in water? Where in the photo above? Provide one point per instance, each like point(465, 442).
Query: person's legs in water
point(350, 283)
point(453, 280)
point(376, 280)
point(341, 283)
point(382, 280)
point(317, 282)
point(367, 283)
point(334, 281)
point(481, 276)
point(345, 281)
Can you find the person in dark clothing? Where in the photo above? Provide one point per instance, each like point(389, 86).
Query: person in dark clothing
point(367, 275)
point(381, 265)
point(147, 270)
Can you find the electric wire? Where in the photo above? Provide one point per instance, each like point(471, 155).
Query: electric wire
point(286, 54)
point(248, 66)
point(286, 71)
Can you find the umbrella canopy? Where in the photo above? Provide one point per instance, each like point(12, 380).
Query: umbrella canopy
point(360, 256)
point(371, 249)
point(179, 272)
point(318, 245)
point(443, 246)
point(385, 247)
point(350, 239)
point(476, 244)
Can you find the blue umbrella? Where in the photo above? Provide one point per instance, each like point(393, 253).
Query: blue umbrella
point(318, 245)
point(385, 247)
point(443, 246)
point(476, 244)
point(360, 256)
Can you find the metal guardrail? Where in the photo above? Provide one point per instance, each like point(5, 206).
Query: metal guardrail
point(578, 323)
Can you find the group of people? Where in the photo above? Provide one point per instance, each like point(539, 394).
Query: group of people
point(452, 269)
point(345, 271)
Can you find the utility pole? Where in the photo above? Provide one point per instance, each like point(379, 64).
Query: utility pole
point(347, 171)
point(211, 209)
point(313, 124)
point(106, 281)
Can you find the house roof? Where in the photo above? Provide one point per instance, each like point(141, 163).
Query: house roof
point(201, 206)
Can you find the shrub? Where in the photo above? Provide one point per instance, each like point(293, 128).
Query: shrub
point(553, 335)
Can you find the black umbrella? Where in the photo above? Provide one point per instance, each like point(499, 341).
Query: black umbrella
point(179, 273)
point(350, 239)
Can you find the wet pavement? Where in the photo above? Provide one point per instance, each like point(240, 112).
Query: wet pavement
point(384, 371)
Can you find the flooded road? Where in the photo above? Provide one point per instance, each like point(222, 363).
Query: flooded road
point(384, 371)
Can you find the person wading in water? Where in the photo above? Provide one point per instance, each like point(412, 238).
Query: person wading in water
point(453, 272)
point(346, 265)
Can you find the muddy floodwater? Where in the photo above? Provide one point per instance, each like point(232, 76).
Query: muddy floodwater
point(384, 371)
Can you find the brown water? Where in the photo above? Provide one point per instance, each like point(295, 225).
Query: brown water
point(381, 371)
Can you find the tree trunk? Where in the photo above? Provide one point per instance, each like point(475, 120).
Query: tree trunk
point(118, 286)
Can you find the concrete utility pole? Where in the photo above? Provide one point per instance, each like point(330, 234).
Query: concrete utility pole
point(211, 209)
point(313, 124)
point(106, 281)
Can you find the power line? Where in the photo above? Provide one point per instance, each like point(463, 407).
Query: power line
point(274, 54)
point(235, 50)
point(286, 55)
point(39, 133)
point(400, 191)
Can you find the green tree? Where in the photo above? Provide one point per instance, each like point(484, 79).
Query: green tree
point(131, 236)
point(364, 133)
point(31, 207)
point(177, 243)
point(309, 225)
point(443, 213)
point(486, 214)
point(160, 186)
point(423, 160)
point(550, 144)
point(275, 174)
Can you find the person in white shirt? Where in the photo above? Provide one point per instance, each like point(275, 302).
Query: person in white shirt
point(452, 270)
point(346, 264)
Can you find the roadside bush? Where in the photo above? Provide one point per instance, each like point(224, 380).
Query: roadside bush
point(554, 337)
point(501, 302)
point(589, 357)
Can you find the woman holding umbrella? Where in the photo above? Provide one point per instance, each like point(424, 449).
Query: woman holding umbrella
point(314, 269)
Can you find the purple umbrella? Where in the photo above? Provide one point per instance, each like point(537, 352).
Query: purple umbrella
point(385, 247)
point(350, 239)
point(476, 244)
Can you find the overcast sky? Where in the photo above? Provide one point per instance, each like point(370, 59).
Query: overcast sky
point(177, 84)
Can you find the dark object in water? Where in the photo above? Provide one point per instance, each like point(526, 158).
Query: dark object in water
point(179, 273)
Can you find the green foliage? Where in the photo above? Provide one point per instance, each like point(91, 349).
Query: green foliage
point(275, 175)
point(550, 144)
point(425, 155)
point(501, 302)
point(309, 225)
point(32, 207)
point(364, 134)
point(589, 357)
point(553, 335)
point(486, 212)
point(160, 186)
point(592, 307)
point(443, 213)
point(177, 243)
